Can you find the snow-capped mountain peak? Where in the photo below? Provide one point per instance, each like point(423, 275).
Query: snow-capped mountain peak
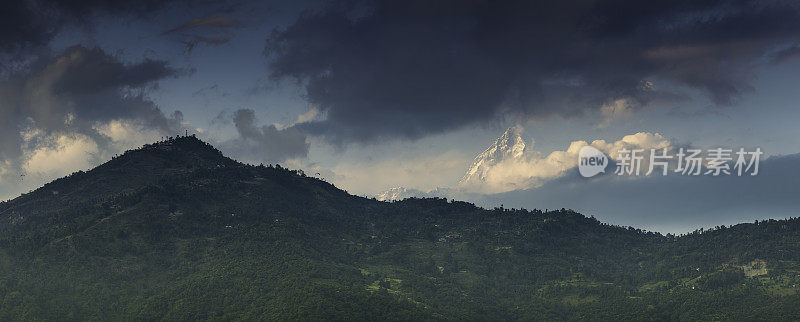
point(510, 145)
point(400, 193)
point(396, 193)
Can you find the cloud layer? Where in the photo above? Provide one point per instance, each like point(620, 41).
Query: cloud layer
point(267, 143)
point(81, 100)
point(412, 68)
point(672, 203)
point(26, 25)
point(533, 168)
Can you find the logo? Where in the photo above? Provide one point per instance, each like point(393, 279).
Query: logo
point(686, 162)
point(591, 161)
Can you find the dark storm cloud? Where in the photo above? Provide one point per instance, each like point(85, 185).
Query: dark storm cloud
point(34, 23)
point(95, 86)
point(786, 54)
point(92, 70)
point(212, 31)
point(211, 22)
point(412, 68)
point(190, 42)
point(74, 91)
point(265, 143)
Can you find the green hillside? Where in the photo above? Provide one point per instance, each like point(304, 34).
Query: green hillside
point(177, 231)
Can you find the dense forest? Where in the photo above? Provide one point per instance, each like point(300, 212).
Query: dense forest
point(176, 231)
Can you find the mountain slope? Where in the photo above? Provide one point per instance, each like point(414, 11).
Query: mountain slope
point(510, 145)
point(183, 233)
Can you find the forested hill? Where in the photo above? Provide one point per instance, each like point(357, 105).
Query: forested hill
point(175, 230)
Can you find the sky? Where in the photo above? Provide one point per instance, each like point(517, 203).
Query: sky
point(373, 95)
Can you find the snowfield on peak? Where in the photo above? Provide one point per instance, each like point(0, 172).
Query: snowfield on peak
point(510, 145)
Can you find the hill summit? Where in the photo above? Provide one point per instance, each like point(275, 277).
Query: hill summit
point(186, 152)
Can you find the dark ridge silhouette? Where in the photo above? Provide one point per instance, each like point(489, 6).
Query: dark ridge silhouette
point(175, 230)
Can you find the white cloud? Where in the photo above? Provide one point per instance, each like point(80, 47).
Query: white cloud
point(48, 156)
point(65, 154)
point(534, 168)
point(307, 116)
point(618, 110)
point(5, 169)
point(125, 134)
point(75, 110)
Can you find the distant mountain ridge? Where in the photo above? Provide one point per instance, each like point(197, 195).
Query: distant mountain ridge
point(177, 231)
point(400, 193)
point(510, 145)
